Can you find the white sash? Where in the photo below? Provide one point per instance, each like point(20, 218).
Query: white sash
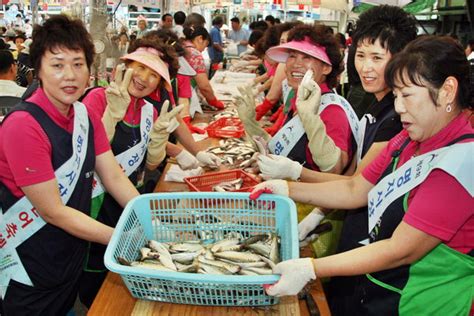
point(132, 158)
point(288, 136)
point(21, 220)
point(457, 160)
point(285, 89)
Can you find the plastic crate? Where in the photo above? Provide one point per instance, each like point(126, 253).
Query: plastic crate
point(205, 182)
point(172, 217)
point(216, 129)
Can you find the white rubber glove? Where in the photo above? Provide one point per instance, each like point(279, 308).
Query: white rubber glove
point(323, 150)
point(279, 187)
point(163, 126)
point(118, 100)
point(295, 274)
point(208, 159)
point(309, 223)
point(278, 167)
point(246, 110)
point(186, 160)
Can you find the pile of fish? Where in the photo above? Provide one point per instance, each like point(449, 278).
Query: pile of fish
point(229, 112)
point(228, 186)
point(236, 153)
point(255, 255)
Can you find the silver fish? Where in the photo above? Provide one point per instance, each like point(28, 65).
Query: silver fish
point(238, 256)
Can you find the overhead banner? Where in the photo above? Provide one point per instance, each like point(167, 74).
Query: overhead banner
point(143, 3)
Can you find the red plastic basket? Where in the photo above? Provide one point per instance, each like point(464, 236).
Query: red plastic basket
point(204, 183)
point(218, 128)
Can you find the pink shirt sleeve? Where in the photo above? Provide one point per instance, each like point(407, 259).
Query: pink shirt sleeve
point(440, 207)
point(184, 86)
point(28, 154)
point(337, 127)
point(101, 142)
point(96, 101)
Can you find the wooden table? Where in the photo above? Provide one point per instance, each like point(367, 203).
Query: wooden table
point(115, 299)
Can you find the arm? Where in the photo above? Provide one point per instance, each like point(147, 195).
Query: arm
point(114, 179)
point(266, 85)
point(342, 194)
point(275, 90)
point(205, 86)
point(173, 150)
point(45, 197)
point(185, 138)
point(308, 175)
point(407, 245)
point(244, 42)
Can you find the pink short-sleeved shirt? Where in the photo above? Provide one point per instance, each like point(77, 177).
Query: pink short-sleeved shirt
point(25, 150)
point(440, 206)
point(184, 86)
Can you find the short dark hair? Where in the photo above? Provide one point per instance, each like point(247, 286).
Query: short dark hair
point(60, 31)
point(179, 18)
point(235, 19)
point(270, 18)
point(218, 20)
point(254, 37)
point(6, 61)
point(192, 33)
point(163, 18)
point(319, 35)
point(194, 20)
point(427, 62)
point(272, 36)
point(167, 38)
point(258, 25)
point(392, 26)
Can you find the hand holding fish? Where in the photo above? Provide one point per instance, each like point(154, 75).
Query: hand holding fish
point(308, 99)
point(278, 167)
point(186, 161)
point(295, 274)
point(273, 186)
point(208, 159)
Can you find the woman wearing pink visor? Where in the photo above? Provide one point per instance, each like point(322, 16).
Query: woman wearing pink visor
point(321, 136)
point(135, 131)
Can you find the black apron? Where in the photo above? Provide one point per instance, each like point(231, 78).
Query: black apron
point(52, 257)
point(341, 289)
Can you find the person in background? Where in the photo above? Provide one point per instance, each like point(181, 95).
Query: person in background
point(216, 46)
point(258, 25)
point(19, 40)
point(8, 71)
point(3, 21)
point(418, 258)
point(167, 21)
point(123, 44)
point(196, 41)
point(25, 66)
point(125, 114)
point(46, 175)
point(470, 49)
point(238, 35)
point(142, 26)
point(194, 20)
point(270, 20)
point(179, 19)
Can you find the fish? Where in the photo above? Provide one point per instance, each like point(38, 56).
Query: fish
point(238, 256)
point(232, 268)
point(165, 256)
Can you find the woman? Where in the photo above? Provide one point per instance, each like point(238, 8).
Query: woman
point(196, 40)
point(381, 32)
point(320, 140)
point(128, 120)
point(274, 36)
point(46, 176)
point(419, 260)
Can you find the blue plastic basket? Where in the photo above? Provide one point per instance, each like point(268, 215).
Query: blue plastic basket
point(172, 217)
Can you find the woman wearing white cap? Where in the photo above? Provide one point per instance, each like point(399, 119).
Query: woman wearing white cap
point(128, 119)
point(319, 134)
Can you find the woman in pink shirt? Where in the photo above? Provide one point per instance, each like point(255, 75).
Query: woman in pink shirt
point(419, 257)
point(50, 147)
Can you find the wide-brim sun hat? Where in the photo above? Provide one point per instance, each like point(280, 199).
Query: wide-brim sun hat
point(185, 68)
point(280, 53)
point(150, 57)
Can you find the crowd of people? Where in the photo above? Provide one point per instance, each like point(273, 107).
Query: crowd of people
point(393, 153)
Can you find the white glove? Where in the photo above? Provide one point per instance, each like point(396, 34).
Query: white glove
point(163, 126)
point(186, 160)
point(323, 150)
point(279, 187)
point(208, 159)
point(309, 223)
point(278, 167)
point(118, 100)
point(295, 274)
point(246, 110)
